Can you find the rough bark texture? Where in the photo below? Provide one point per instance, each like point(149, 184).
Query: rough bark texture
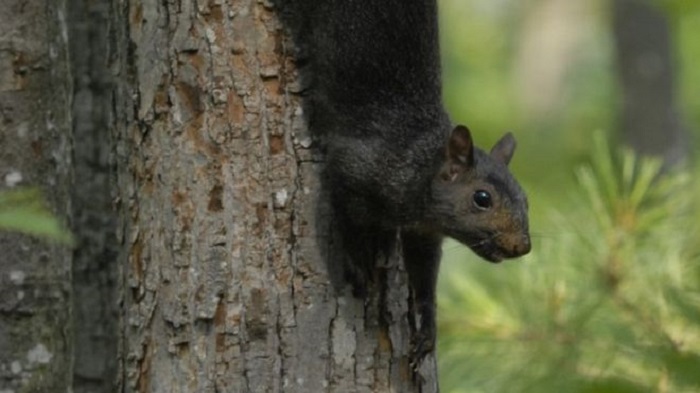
point(226, 286)
point(35, 332)
point(651, 123)
point(95, 311)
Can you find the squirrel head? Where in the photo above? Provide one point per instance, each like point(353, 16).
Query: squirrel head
point(476, 200)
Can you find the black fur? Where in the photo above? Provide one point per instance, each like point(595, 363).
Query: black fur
point(394, 161)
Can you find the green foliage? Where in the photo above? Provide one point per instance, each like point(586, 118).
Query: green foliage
point(608, 301)
point(677, 7)
point(23, 210)
point(687, 48)
point(483, 89)
point(478, 65)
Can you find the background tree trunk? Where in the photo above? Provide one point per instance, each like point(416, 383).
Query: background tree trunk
point(225, 288)
point(650, 121)
point(35, 147)
point(95, 311)
point(547, 41)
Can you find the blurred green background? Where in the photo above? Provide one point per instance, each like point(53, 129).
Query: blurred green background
point(609, 298)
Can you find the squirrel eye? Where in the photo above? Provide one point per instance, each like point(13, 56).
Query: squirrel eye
point(482, 199)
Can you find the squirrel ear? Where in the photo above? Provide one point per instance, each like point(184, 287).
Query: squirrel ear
point(460, 150)
point(503, 150)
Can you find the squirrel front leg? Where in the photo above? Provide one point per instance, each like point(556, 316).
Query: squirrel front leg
point(361, 243)
point(421, 252)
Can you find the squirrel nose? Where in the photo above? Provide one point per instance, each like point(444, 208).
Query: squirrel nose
point(523, 247)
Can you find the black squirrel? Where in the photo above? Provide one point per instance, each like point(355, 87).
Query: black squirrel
point(394, 161)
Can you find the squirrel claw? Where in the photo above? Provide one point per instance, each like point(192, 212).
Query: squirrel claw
point(421, 346)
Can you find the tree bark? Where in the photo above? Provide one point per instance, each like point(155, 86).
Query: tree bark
point(35, 147)
point(228, 246)
point(650, 123)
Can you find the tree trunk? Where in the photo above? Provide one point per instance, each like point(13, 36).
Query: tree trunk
point(95, 312)
point(651, 123)
point(225, 284)
point(548, 40)
point(35, 143)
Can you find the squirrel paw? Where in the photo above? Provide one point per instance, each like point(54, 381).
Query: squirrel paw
point(422, 344)
point(359, 278)
point(359, 290)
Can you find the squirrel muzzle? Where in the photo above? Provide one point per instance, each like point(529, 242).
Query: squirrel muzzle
point(523, 246)
point(503, 246)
